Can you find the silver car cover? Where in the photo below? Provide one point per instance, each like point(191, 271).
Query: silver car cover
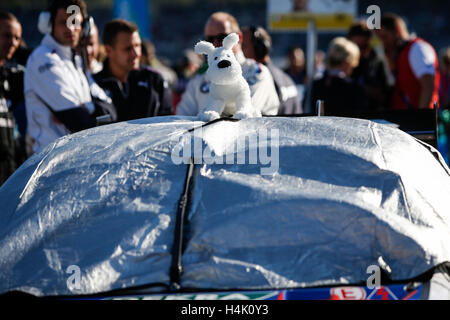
point(299, 202)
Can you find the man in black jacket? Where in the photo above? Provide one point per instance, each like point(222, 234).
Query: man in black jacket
point(137, 92)
point(11, 93)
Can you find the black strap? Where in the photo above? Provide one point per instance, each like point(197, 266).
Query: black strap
point(213, 122)
point(176, 268)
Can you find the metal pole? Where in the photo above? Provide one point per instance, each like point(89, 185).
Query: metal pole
point(310, 65)
point(320, 108)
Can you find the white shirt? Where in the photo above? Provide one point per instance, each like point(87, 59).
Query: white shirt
point(422, 59)
point(264, 94)
point(52, 77)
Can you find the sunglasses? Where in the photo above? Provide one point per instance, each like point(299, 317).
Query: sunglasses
point(219, 38)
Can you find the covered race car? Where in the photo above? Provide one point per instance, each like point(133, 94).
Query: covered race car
point(268, 208)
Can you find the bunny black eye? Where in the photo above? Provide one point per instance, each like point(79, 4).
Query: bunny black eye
point(228, 55)
point(215, 58)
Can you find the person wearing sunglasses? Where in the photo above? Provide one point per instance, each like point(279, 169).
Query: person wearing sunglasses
point(264, 94)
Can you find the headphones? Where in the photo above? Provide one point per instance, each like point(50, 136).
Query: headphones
point(261, 44)
point(45, 24)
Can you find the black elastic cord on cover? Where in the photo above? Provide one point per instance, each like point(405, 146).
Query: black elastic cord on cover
point(214, 121)
point(176, 269)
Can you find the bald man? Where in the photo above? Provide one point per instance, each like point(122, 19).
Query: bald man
point(264, 94)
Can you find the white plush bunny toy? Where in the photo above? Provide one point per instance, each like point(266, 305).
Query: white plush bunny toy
point(228, 86)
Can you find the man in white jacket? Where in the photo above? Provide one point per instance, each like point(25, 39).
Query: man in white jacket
point(57, 91)
point(264, 95)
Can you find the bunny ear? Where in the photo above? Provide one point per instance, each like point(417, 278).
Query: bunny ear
point(204, 47)
point(230, 41)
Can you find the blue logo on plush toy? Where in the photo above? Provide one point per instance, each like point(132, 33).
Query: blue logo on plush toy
point(204, 88)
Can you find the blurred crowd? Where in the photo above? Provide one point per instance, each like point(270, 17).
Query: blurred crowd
point(80, 77)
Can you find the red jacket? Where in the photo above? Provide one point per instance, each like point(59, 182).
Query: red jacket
point(407, 88)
